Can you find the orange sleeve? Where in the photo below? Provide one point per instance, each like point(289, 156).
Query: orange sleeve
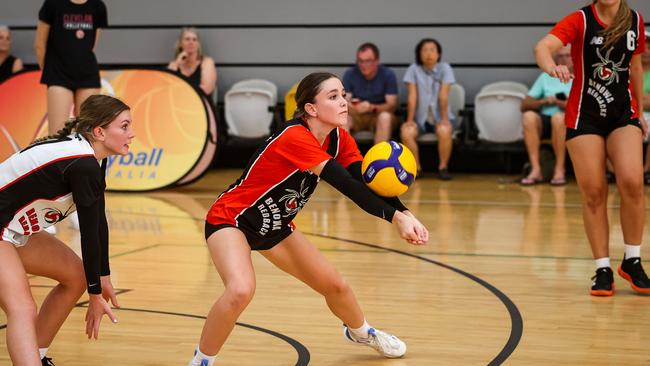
point(300, 148)
point(348, 150)
point(569, 28)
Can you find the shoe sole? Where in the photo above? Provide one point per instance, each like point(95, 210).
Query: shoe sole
point(628, 278)
point(603, 292)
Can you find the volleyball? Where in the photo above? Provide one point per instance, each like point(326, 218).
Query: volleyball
point(389, 168)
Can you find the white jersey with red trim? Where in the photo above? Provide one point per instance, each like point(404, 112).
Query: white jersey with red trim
point(34, 188)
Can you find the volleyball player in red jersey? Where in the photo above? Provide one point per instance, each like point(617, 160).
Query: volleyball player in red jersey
point(256, 213)
point(604, 118)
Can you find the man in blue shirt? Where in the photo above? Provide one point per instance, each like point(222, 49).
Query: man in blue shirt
point(372, 94)
point(543, 117)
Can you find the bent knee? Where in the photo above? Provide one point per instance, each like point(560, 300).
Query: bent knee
point(336, 288)
point(20, 306)
point(557, 120)
point(409, 131)
point(240, 295)
point(74, 277)
point(444, 130)
point(530, 119)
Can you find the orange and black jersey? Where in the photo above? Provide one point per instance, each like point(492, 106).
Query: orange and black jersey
point(601, 94)
point(277, 184)
point(44, 183)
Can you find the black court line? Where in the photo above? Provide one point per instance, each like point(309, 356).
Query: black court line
point(303, 354)
point(302, 351)
point(117, 292)
point(517, 324)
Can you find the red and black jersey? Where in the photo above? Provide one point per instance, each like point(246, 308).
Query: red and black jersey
point(46, 182)
point(601, 92)
point(276, 184)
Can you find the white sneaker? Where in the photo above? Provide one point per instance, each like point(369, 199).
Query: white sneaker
point(385, 343)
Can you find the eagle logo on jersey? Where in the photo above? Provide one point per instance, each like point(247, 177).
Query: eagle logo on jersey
point(54, 215)
point(607, 70)
point(294, 200)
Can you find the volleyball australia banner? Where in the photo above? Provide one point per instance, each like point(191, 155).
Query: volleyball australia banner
point(174, 124)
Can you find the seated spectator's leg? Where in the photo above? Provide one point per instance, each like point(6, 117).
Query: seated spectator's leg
point(445, 143)
point(80, 95)
point(409, 134)
point(558, 133)
point(59, 103)
point(362, 121)
point(532, 122)
point(384, 126)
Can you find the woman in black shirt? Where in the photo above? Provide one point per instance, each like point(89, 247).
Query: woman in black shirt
point(66, 36)
point(9, 64)
point(192, 64)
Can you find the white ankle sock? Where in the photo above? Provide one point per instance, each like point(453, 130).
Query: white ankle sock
point(362, 331)
point(603, 262)
point(43, 351)
point(632, 251)
point(200, 356)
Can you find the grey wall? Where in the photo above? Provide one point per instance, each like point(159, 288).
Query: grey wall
point(252, 52)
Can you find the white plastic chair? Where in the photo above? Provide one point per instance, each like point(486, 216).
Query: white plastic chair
point(498, 116)
point(257, 84)
point(249, 106)
point(512, 86)
point(456, 101)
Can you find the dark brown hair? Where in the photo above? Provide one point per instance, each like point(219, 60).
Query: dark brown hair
point(418, 49)
point(369, 46)
point(309, 86)
point(96, 111)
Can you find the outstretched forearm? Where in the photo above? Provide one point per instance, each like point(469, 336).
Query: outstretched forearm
point(339, 178)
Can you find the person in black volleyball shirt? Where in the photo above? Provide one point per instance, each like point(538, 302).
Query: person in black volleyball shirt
point(66, 35)
point(604, 118)
point(39, 187)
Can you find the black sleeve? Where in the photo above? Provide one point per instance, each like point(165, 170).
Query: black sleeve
point(103, 226)
point(47, 12)
point(101, 17)
point(339, 178)
point(355, 171)
point(84, 177)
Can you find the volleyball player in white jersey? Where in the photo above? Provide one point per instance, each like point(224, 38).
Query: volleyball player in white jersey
point(39, 187)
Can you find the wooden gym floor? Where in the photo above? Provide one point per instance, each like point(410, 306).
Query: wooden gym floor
point(504, 279)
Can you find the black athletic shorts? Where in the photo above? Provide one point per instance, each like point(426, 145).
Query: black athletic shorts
point(587, 129)
point(255, 241)
point(55, 75)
